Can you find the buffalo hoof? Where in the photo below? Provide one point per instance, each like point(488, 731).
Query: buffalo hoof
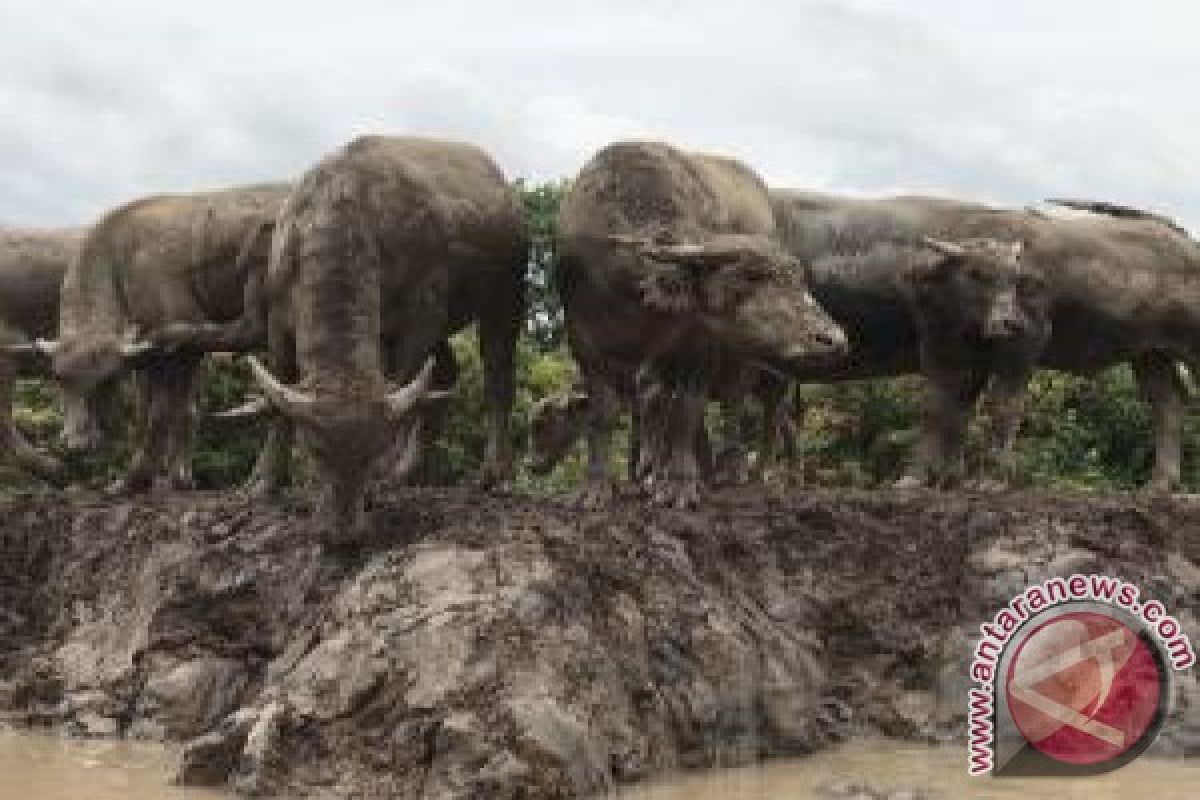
point(259, 490)
point(909, 482)
point(735, 467)
point(1161, 485)
point(128, 486)
point(596, 496)
point(788, 477)
point(494, 479)
point(987, 485)
point(679, 495)
point(179, 483)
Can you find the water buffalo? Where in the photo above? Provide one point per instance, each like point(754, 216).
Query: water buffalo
point(156, 261)
point(669, 275)
point(931, 286)
point(921, 304)
point(1125, 287)
point(1083, 294)
point(367, 251)
point(32, 265)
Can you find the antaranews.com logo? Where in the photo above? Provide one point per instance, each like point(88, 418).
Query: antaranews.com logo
point(1072, 678)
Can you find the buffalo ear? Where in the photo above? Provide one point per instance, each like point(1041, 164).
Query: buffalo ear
point(667, 288)
point(933, 261)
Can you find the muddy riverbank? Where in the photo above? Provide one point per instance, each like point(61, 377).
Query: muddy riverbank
point(478, 646)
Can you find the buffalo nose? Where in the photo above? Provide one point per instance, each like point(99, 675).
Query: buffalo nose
point(1005, 328)
point(833, 341)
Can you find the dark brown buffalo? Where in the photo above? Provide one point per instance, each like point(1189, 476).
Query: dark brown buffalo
point(367, 250)
point(906, 307)
point(670, 278)
point(1125, 287)
point(161, 260)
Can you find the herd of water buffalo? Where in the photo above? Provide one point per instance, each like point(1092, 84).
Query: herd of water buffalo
point(683, 278)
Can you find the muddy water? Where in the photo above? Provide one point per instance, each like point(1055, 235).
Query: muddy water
point(940, 773)
point(44, 767)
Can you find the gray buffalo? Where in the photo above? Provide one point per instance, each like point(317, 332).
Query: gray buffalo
point(32, 265)
point(365, 262)
point(669, 277)
point(155, 262)
point(1081, 294)
point(931, 286)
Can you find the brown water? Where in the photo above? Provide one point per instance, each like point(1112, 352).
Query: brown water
point(44, 767)
point(941, 773)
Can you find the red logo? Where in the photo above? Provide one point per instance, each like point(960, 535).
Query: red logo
point(1084, 688)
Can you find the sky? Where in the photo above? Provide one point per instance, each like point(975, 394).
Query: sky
point(1007, 102)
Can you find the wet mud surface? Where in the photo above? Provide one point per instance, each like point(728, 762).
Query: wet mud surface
point(506, 646)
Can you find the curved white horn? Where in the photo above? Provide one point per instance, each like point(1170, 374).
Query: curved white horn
point(287, 399)
point(404, 399)
point(47, 347)
point(696, 255)
point(625, 238)
point(136, 349)
point(951, 249)
point(252, 409)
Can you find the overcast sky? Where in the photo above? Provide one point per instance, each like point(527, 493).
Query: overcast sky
point(1006, 101)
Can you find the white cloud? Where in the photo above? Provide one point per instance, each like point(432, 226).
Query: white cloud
point(1009, 102)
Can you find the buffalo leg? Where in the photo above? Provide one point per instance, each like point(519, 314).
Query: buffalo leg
point(1162, 388)
point(672, 430)
point(678, 483)
point(13, 444)
point(732, 458)
point(949, 400)
point(772, 392)
point(499, 329)
point(170, 384)
point(652, 402)
point(1007, 394)
point(635, 443)
point(181, 442)
point(602, 412)
point(83, 417)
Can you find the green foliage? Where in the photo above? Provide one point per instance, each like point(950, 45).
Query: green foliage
point(856, 434)
point(544, 322)
point(1091, 433)
point(1077, 433)
point(458, 454)
point(224, 457)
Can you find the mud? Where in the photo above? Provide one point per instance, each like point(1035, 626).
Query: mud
point(480, 646)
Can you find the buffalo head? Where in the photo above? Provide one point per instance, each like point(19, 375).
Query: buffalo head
point(985, 284)
point(83, 363)
point(346, 434)
point(555, 424)
point(85, 367)
point(746, 294)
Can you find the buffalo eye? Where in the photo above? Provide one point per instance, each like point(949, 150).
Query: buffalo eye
point(980, 274)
